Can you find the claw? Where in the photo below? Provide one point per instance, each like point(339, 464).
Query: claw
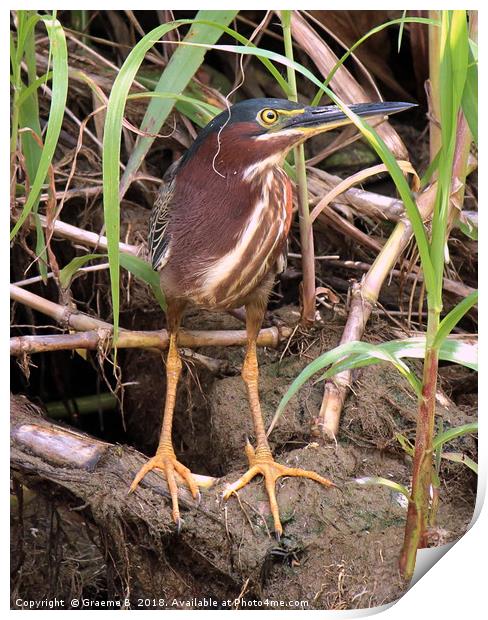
point(179, 525)
point(265, 465)
point(166, 462)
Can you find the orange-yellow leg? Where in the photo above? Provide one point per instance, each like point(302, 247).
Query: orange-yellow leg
point(261, 460)
point(165, 459)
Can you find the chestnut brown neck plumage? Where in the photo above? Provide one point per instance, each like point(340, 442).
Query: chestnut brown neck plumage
point(217, 236)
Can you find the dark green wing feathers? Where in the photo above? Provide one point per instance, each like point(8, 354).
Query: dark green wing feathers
point(158, 239)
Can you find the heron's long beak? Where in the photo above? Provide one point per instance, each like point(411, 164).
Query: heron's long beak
point(314, 120)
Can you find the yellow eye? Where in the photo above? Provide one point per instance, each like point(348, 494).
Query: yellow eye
point(268, 116)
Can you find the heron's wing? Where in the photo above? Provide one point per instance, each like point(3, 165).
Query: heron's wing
point(158, 238)
point(282, 261)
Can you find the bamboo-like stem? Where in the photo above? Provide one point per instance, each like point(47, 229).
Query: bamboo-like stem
point(98, 333)
point(73, 233)
point(305, 225)
point(451, 286)
point(364, 297)
point(94, 339)
point(418, 507)
point(65, 316)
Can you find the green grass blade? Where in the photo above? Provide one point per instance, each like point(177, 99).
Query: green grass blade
point(358, 354)
point(450, 321)
point(182, 66)
point(400, 32)
point(389, 484)
point(460, 457)
point(56, 114)
point(111, 154)
point(31, 149)
point(405, 443)
point(454, 433)
point(345, 357)
point(67, 273)
point(431, 168)
point(470, 96)
point(373, 31)
point(143, 270)
point(375, 354)
point(458, 351)
point(454, 50)
point(206, 109)
point(29, 108)
point(468, 226)
point(27, 91)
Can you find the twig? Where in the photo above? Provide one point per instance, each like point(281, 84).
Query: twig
point(50, 274)
point(364, 296)
point(452, 286)
point(93, 339)
point(73, 233)
point(99, 332)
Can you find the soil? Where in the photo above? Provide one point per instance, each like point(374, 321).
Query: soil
point(340, 546)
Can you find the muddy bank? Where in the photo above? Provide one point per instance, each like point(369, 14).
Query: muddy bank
point(340, 546)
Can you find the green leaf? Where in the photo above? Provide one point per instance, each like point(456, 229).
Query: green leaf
point(468, 226)
point(400, 32)
point(345, 356)
point(405, 443)
point(453, 67)
point(28, 114)
point(390, 484)
point(206, 111)
point(453, 433)
point(470, 96)
point(182, 66)
point(460, 457)
point(358, 354)
point(463, 351)
point(432, 167)
point(143, 270)
point(56, 114)
point(28, 91)
point(67, 273)
point(450, 321)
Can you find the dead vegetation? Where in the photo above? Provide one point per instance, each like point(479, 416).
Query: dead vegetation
point(75, 532)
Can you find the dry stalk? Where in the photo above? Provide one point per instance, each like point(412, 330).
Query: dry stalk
point(451, 286)
point(93, 339)
point(97, 333)
point(364, 297)
point(73, 233)
point(365, 294)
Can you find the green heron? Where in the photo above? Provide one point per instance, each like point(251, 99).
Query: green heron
point(218, 236)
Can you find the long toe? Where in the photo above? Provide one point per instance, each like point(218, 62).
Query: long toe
point(169, 466)
point(271, 471)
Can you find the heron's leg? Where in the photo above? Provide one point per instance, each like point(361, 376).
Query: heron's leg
point(260, 459)
point(165, 458)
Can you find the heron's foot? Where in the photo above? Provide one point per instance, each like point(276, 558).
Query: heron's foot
point(261, 462)
point(165, 461)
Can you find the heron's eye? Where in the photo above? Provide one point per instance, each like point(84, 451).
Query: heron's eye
point(268, 116)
